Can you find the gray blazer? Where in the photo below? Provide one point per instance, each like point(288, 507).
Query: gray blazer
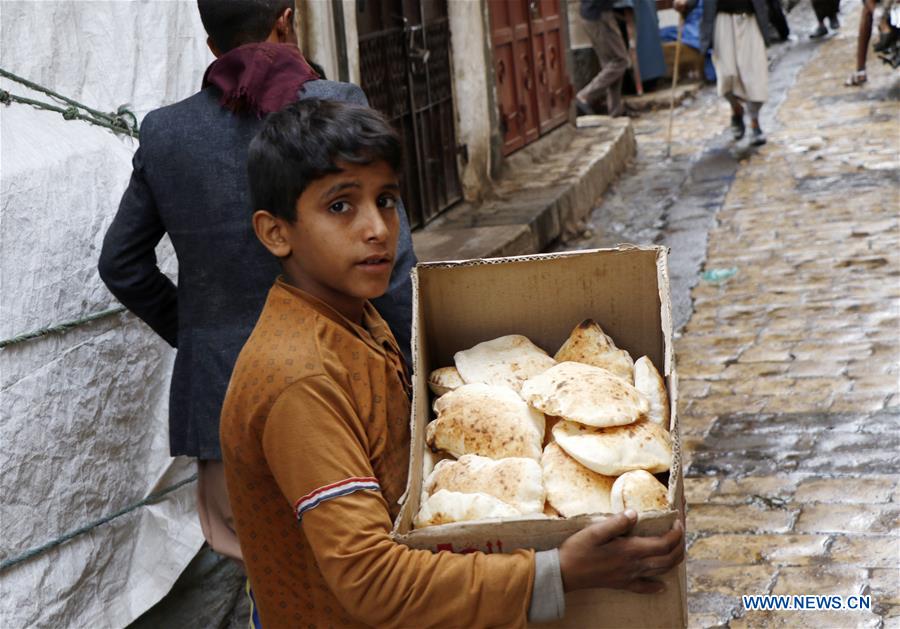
point(190, 181)
point(708, 24)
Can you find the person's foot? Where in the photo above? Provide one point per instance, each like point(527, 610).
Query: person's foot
point(583, 108)
point(856, 79)
point(820, 31)
point(737, 126)
point(834, 23)
point(757, 137)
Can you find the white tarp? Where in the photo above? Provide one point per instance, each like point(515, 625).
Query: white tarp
point(106, 53)
point(83, 419)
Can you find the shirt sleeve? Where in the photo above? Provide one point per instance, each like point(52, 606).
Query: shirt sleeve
point(128, 263)
point(316, 448)
point(548, 599)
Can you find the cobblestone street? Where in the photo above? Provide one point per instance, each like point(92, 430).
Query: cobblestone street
point(788, 368)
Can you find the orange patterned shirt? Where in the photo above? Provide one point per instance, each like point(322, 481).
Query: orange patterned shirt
point(315, 440)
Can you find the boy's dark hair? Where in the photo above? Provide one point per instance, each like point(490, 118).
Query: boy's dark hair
point(305, 140)
point(233, 23)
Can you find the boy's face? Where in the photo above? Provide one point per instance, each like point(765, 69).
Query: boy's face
point(342, 246)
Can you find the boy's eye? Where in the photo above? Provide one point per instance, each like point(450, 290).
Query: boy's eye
point(339, 207)
point(387, 201)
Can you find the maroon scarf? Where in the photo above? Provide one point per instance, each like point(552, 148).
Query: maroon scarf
point(259, 78)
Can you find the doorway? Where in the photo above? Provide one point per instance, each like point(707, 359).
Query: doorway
point(533, 86)
point(404, 58)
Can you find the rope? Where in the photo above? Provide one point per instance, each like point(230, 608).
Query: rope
point(61, 327)
point(122, 120)
point(151, 499)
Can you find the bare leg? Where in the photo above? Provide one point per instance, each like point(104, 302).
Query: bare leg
point(737, 116)
point(753, 107)
point(757, 137)
point(865, 33)
point(737, 109)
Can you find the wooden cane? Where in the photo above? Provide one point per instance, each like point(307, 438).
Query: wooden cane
point(632, 51)
point(674, 85)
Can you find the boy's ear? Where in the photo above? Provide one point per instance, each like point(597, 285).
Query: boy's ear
point(271, 232)
point(284, 28)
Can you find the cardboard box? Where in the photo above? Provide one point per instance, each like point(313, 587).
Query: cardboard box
point(459, 304)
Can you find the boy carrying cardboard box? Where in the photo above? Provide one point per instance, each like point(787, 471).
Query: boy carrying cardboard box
point(315, 425)
point(190, 182)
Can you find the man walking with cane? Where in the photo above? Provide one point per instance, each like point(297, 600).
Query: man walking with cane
point(735, 30)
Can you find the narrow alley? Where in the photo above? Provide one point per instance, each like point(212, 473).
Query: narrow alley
point(786, 286)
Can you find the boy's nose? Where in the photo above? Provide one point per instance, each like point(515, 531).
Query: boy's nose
point(376, 227)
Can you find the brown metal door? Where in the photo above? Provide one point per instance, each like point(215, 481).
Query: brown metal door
point(404, 54)
point(529, 67)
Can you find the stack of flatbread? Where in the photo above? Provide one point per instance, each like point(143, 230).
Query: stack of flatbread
point(520, 433)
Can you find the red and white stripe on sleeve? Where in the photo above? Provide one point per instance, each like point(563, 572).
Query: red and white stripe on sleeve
point(335, 490)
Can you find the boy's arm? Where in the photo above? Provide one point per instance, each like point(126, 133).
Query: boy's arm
point(128, 259)
point(317, 450)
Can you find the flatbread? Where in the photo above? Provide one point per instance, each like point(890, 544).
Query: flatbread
point(572, 489)
point(642, 445)
point(638, 490)
point(648, 381)
point(445, 507)
point(588, 344)
point(516, 481)
point(429, 461)
point(444, 380)
point(506, 361)
point(585, 394)
point(492, 421)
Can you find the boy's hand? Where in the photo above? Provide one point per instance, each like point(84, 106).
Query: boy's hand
point(600, 557)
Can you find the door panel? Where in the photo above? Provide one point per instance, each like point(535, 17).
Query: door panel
point(510, 37)
point(559, 87)
point(532, 84)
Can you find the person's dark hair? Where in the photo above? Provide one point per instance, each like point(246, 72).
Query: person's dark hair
point(305, 141)
point(233, 23)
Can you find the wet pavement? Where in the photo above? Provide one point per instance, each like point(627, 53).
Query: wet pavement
point(789, 359)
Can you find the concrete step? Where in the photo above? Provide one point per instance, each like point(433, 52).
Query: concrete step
point(662, 98)
point(544, 192)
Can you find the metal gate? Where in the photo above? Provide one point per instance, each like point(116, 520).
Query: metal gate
point(529, 65)
point(404, 58)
